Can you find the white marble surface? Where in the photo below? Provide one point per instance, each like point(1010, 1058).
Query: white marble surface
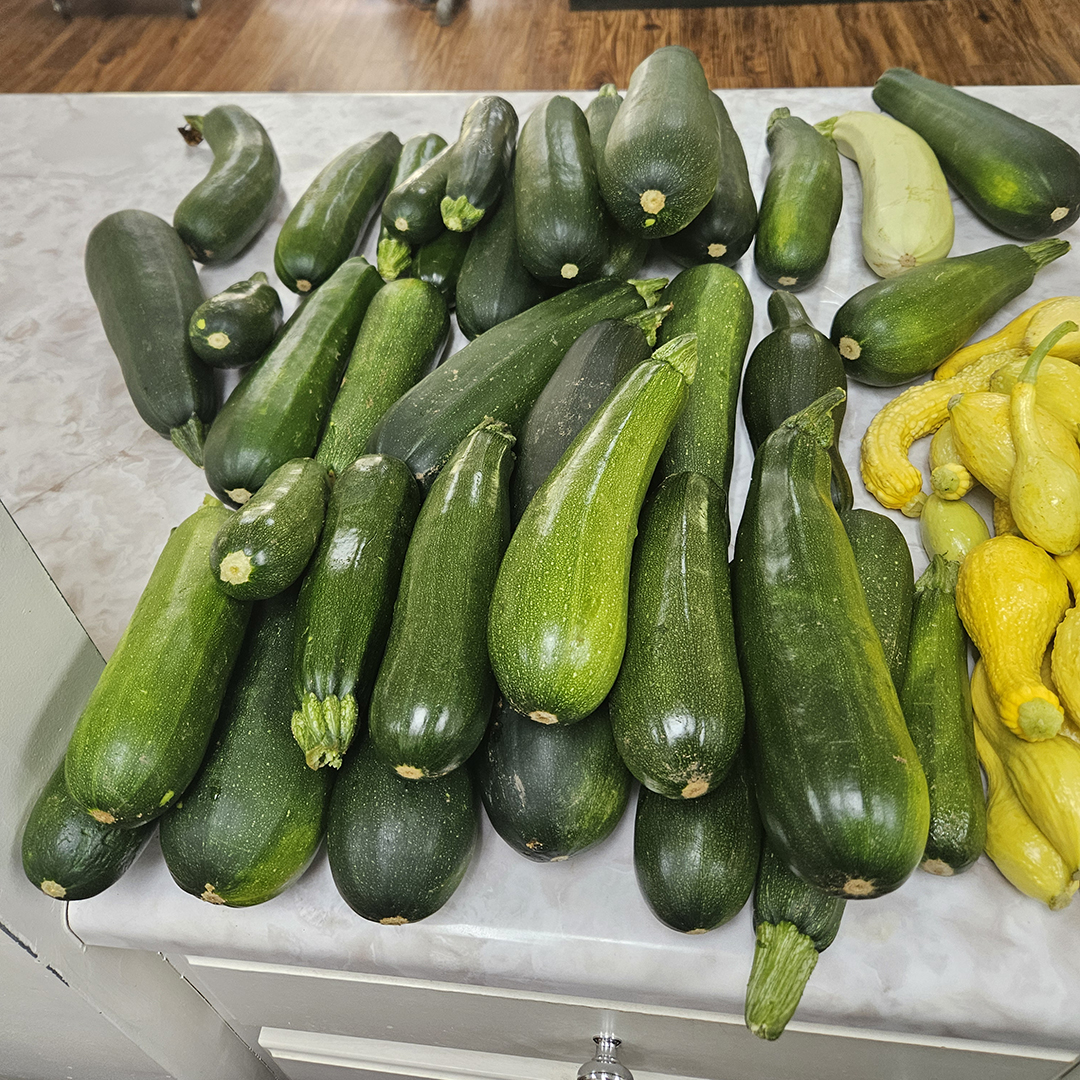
point(96, 492)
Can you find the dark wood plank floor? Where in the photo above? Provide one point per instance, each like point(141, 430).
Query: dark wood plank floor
point(367, 45)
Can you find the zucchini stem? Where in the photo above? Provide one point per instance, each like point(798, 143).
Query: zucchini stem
point(681, 353)
point(189, 438)
point(649, 288)
point(649, 320)
point(1043, 252)
point(459, 215)
point(393, 258)
point(325, 728)
point(784, 959)
point(785, 310)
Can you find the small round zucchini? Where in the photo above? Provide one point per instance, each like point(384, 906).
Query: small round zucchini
point(235, 327)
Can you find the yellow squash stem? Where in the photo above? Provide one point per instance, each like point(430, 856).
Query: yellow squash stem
point(949, 477)
point(1057, 389)
point(784, 960)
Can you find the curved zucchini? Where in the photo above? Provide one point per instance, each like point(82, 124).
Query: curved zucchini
point(439, 262)
point(323, 228)
point(144, 731)
point(235, 327)
point(479, 162)
point(410, 212)
point(394, 255)
point(227, 209)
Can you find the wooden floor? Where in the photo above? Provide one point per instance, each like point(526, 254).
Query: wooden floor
point(358, 45)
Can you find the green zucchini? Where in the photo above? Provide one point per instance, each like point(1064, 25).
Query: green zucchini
point(346, 601)
point(439, 262)
point(397, 849)
point(793, 922)
point(1017, 176)
point(600, 115)
point(883, 560)
point(143, 733)
point(696, 860)
point(788, 369)
point(551, 792)
point(800, 206)
point(936, 697)
point(235, 327)
point(493, 285)
point(432, 699)
point(146, 289)
point(677, 705)
point(277, 412)
point(900, 328)
point(228, 208)
point(251, 821)
point(723, 230)
point(479, 162)
point(66, 853)
point(557, 626)
point(661, 157)
point(265, 546)
point(402, 333)
point(823, 718)
point(323, 228)
point(500, 374)
point(394, 255)
point(410, 212)
point(562, 232)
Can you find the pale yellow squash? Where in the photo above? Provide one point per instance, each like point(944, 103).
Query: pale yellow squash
point(1003, 519)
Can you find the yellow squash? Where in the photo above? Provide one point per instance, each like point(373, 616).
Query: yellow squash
point(1057, 389)
point(951, 528)
point(1003, 519)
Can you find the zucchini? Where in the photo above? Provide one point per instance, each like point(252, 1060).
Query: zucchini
point(562, 232)
point(677, 705)
point(323, 228)
point(788, 369)
point(557, 626)
point(898, 329)
point(432, 699)
point(398, 850)
point(551, 792)
point(66, 853)
point(394, 255)
point(500, 374)
point(410, 212)
point(251, 821)
point(800, 206)
point(439, 262)
point(936, 697)
point(346, 601)
point(661, 157)
point(146, 289)
point(722, 232)
point(600, 115)
point(265, 546)
point(228, 208)
point(478, 163)
point(402, 333)
point(1018, 177)
point(696, 860)
point(793, 922)
point(277, 412)
point(235, 327)
point(823, 718)
point(143, 733)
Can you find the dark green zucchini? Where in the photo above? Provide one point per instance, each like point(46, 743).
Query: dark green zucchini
point(439, 262)
point(398, 849)
point(146, 289)
point(144, 731)
point(323, 228)
point(888, 580)
point(394, 255)
point(793, 922)
point(898, 329)
point(228, 208)
point(551, 792)
point(1017, 176)
point(600, 115)
point(723, 230)
point(493, 285)
point(265, 546)
point(235, 327)
point(432, 700)
point(500, 374)
point(801, 204)
point(562, 231)
point(936, 697)
point(410, 212)
point(661, 157)
point(251, 821)
point(66, 853)
point(677, 705)
point(696, 859)
point(823, 718)
point(402, 333)
point(346, 601)
point(788, 369)
point(557, 626)
point(479, 162)
point(277, 412)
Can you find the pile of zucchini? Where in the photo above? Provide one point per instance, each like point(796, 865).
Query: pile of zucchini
point(504, 579)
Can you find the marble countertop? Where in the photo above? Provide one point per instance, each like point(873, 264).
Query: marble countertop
point(96, 492)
